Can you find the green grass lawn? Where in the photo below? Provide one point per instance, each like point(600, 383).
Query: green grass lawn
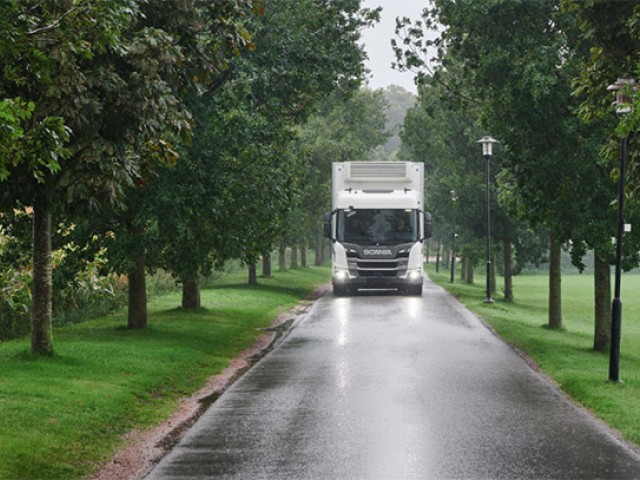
point(567, 355)
point(61, 416)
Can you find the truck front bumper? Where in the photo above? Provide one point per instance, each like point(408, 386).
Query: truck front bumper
point(345, 279)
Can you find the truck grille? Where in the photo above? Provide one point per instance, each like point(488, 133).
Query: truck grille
point(378, 268)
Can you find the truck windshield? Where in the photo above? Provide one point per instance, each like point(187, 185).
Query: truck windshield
point(377, 226)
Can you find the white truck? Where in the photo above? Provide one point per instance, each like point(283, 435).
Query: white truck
point(377, 226)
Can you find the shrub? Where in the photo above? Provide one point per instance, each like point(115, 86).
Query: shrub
point(15, 302)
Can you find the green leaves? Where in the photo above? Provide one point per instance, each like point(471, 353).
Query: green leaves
point(98, 89)
point(236, 187)
point(515, 61)
point(41, 147)
point(111, 71)
point(107, 96)
point(12, 113)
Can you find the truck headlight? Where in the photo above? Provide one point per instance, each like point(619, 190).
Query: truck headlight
point(414, 275)
point(341, 275)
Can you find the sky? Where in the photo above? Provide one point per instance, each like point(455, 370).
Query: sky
point(377, 41)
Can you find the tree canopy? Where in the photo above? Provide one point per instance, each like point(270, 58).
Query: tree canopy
point(94, 90)
point(520, 75)
point(209, 173)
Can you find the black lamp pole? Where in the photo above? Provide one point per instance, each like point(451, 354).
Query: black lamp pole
point(487, 147)
point(623, 105)
point(616, 308)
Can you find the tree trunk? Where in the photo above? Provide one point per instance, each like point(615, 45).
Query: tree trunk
point(319, 248)
point(294, 256)
point(470, 272)
point(508, 271)
point(253, 274)
point(555, 283)
point(463, 269)
point(437, 256)
point(303, 256)
point(41, 284)
point(137, 315)
point(191, 294)
point(282, 261)
point(602, 289)
point(494, 275)
point(266, 265)
point(427, 243)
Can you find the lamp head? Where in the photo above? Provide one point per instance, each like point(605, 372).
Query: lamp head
point(623, 88)
point(487, 145)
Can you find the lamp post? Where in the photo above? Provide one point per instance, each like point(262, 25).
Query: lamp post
point(623, 106)
point(454, 198)
point(487, 151)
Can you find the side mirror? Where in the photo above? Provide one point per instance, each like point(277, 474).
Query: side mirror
point(327, 225)
point(428, 225)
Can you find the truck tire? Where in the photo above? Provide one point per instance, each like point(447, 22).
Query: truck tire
point(341, 290)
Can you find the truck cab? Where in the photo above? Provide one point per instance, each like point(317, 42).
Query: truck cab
point(377, 226)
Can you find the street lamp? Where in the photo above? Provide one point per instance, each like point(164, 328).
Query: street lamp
point(454, 198)
point(487, 151)
point(623, 106)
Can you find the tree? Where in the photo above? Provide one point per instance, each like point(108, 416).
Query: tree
point(442, 132)
point(122, 63)
point(522, 68)
point(610, 36)
point(236, 183)
point(43, 52)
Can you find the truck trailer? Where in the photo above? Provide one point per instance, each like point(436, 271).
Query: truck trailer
point(377, 226)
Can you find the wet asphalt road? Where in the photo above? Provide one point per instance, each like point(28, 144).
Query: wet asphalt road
point(392, 387)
